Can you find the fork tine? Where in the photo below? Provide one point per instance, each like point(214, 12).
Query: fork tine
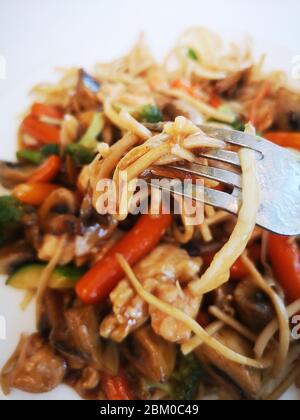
point(222, 156)
point(230, 136)
point(222, 200)
point(219, 199)
point(233, 137)
point(215, 174)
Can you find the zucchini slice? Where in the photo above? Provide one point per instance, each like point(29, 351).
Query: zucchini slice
point(28, 277)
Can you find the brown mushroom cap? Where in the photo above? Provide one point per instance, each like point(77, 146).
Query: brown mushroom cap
point(253, 307)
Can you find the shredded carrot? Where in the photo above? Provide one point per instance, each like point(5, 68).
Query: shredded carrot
point(261, 94)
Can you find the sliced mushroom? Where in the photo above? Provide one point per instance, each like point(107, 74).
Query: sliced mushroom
point(54, 305)
point(54, 224)
point(62, 224)
point(153, 356)
point(57, 215)
point(73, 331)
point(95, 228)
point(253, 306)
point(34, 367)
point(82, 323)
point(12, 174)
point(14, 255)
point(52, 325)
point(32, 229)
point(60, 202)
point(241, 382)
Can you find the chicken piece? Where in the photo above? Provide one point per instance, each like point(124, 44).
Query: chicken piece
point(129, 313)
point(167, 263)
point(35, 368)
point(166, 326)
point(241, 382)
point(49, 246)
point(163, 273)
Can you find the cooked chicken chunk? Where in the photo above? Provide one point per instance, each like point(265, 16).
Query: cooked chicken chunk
point(35, 368)
point(49, 246)
point(164, 273)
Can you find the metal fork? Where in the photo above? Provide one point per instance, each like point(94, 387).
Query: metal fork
point(278, 172)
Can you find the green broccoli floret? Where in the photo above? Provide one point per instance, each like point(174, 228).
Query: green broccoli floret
point(184, 382)
point(11, 212)
point(186, 377)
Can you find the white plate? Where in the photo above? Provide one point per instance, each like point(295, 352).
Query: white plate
point(36, 37)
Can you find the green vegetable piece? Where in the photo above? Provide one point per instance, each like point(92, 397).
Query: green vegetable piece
point(186, 377)
point(150, 114)
point(71, 272)
point(84, 151)
point(50, 149)
point(28, 277)
point(238, 125)
point(80, 154)
point(192, 55)
point(11, 212)
point(31, 156)
point(37, 156)
point(89, 140)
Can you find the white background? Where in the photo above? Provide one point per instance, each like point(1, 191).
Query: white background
point(37, 36)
